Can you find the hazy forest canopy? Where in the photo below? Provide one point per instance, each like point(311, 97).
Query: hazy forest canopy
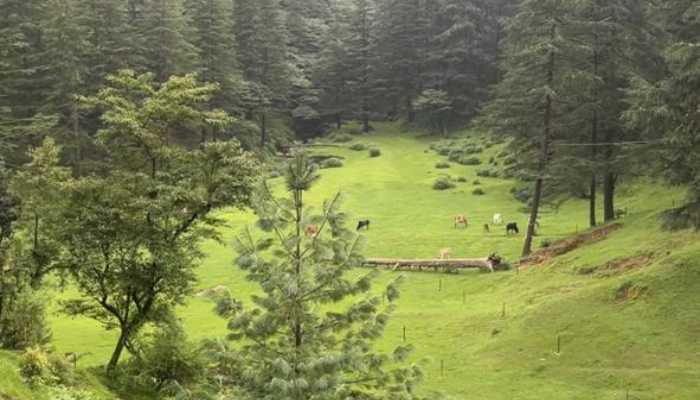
point(134, 134)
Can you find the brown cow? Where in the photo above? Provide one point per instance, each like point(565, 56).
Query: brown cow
point(312, 230)
point(461, 220)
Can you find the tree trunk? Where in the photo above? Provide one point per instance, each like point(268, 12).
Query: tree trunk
point(365, 118)
point(339, 120)
point(263, 129)
point(544, 154)
point(594, 141)
point(410, 112)
point(116, 355)
point(609, 196)
point(592, 204)
point(534, 212)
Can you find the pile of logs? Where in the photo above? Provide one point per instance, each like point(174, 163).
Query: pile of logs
point(448, 265)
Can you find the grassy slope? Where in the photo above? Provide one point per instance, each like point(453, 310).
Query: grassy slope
point(648, 345)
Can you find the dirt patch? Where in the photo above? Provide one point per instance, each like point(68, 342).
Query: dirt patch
point(619, 265)
point(629, 291)
point(567, 245)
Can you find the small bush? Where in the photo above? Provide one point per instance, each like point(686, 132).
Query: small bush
point(37, 366)
point(443, 183)
point(340, 138)
point(67, 393)
point(462, 179)
point(522, 194)
point(24, 322)
point(167, 359)
point(469, 161)
point(358, 147)
point(478, 192)
point(442, 165)
point(477, 182)
point(331, 163)
point(509, 161)
point(487, 173)
point(546, 243)
point(375, 152)
point(492, 160)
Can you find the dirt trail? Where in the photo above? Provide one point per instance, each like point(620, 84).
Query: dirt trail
point(567, 245)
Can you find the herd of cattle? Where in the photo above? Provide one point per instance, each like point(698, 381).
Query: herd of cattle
point(313, 230)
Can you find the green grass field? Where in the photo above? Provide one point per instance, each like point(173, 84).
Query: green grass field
point(468, 348)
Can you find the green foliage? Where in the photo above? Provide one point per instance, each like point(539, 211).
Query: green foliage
point(435, 107)
point(478, 192)
point(487, 173)
point(358, 147)
point(375, 152)
point(41, 367)
point(290, 346)
point(166, 360)
point(152, 208)
point(23, 321)
point(442, 165)
point(443, 183)
point(338, 137)
point(331, 163)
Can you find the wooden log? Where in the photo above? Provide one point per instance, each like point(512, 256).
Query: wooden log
point(454, 263)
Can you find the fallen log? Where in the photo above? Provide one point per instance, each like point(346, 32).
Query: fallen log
point(453, 264)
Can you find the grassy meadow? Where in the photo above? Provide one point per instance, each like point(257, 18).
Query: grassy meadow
point(630, 325)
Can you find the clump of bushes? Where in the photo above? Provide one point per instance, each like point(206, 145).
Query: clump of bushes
point(442, 165)
point(469, 161)
point(487, 173)
point(358, 147)
point(375, 152)
point(462, 179)
point(331, 163)
point(443, 183)
point(38, 366)
point(338, 137)
point(521, 193)
point(478, 192)
point(167, 358)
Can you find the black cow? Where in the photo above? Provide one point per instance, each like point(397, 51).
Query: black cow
point(363, 224)
point(512, 228)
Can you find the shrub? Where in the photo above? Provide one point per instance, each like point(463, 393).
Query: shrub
point(522, 194)
point(442, 165)
point(358, 147)
point(331, 163)
point(462, 179)
point(37, 366)
point(509, 161)
point(66, 393)
point(487, 173)
point(24, 324)
point(375, 152)
point(478, 192)
point(443, 183)
point(546, 243)
point(477, 182)
point(340, 138)
point(167, 359)
point(469, 161)
point(34, 366)
point(492, 160)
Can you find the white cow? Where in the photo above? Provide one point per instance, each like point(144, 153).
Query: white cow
point(497, 219)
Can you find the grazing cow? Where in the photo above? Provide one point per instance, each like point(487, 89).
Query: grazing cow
point(445, 254)
point(461, 220)
point(512, 228)
point(493, 261)
point(311, 230)
point(487, 229)
point(363, 224)
point(497, 219)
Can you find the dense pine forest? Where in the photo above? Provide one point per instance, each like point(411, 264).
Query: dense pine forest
point(135, 133)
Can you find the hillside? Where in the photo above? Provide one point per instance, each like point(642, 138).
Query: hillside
point(624, 308)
